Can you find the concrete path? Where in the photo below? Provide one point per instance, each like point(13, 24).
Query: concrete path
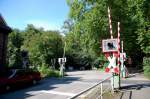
point(135, 87)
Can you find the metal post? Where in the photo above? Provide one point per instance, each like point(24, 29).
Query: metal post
point(64, 50)
point(112, 81)
point(123, 71)
point(119, 52)
point(62, 65)
point(122, 46)
point(62, 70)
point(101, 90)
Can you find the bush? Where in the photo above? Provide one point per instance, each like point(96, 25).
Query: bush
point(146, 66)
point(47, 72)
point(100, 62)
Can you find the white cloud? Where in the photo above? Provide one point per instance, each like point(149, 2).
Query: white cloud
point(44, 24)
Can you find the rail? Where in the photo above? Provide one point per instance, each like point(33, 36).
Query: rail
point(99, 83)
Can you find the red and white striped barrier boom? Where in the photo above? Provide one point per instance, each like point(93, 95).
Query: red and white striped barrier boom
point(119, 45)
point(110, 25)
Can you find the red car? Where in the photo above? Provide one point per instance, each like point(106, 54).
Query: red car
point(18, 77)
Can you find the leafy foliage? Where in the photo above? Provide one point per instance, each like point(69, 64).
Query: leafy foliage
point(91, 26)
point(42, 46)
point(146, 64)
point(14, 49)
point(47, 72)
point(86, 27)
point(144, 38)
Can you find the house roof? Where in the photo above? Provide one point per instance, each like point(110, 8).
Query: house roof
point(3, 25)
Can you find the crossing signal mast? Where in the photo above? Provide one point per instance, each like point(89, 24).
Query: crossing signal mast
point(111, 49)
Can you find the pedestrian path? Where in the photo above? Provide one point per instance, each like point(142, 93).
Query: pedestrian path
point(135, 87)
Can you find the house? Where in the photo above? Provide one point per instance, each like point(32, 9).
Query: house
point(4, 31)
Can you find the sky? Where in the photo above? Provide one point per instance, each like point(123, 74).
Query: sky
point(49, 14)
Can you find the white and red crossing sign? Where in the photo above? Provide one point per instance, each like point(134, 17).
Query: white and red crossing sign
point(112, 63)
point(111, 49)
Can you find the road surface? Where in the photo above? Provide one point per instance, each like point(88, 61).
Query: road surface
point(134, 87)
point(59, 88)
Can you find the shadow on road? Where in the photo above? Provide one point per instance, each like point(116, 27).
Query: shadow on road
point(135, 86)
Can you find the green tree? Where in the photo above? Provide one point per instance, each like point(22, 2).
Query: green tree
point(90, 26)
point(144, 33)
point(15, 40)
point(42, 46)
point(86, 30)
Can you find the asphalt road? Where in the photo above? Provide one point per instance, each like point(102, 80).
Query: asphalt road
point(58, 88)
point(134, 87)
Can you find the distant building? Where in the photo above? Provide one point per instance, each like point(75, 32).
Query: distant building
point(4, 31)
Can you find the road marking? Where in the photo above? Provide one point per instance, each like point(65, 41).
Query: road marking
point(52, 92)
point(58, 93)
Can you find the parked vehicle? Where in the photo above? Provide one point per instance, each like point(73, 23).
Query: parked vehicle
point(17, 78)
